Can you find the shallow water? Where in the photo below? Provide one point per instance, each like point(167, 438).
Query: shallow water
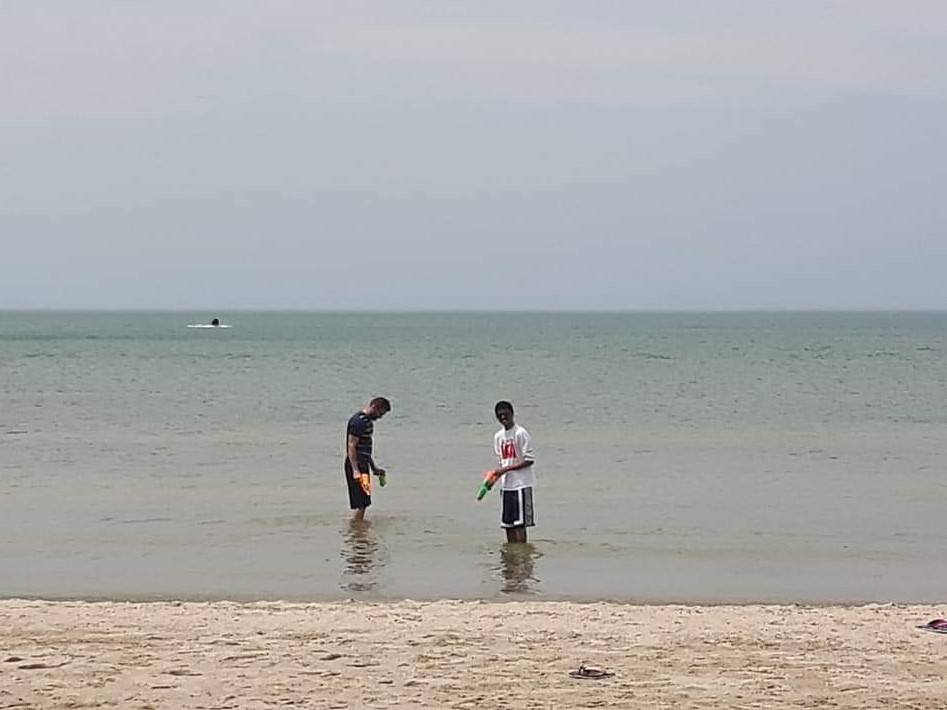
point(689, 457)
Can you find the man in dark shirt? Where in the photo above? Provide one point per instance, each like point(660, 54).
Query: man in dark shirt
point(359, 464)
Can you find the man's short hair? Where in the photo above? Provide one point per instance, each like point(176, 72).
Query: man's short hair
point(381, 403)
point(502, 406)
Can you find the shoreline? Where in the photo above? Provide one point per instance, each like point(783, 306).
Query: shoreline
point(467, 654)
point(499, 600)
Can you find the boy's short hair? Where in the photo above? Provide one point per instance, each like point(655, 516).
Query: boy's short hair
point(381, 403)
point(501, 406)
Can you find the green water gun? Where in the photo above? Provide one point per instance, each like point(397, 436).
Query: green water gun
point(489, 478)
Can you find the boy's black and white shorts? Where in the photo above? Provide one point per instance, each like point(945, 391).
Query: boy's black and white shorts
point(517, 508)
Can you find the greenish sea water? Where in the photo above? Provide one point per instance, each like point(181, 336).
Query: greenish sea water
point(681, 457)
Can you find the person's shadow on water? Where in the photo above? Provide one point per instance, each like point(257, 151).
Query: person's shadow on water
point(518, 568)
point(360, 553)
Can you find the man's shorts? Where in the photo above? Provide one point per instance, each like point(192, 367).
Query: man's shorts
point(358, 498)
point(517, 508)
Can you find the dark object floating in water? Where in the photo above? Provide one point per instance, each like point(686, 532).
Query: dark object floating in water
point(215, 323)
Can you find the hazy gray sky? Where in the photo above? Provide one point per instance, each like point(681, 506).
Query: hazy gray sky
point(480, 154)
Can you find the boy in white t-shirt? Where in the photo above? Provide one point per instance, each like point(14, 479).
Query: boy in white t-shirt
point(514, 451)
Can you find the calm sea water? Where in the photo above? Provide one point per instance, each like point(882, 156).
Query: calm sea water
point(703, 457)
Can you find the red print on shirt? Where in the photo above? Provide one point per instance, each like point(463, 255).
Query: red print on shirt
point(508, 449)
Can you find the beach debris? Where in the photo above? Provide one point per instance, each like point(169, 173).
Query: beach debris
point(13, 659)
point(40, 666)
point(331, 657)
point(182, 671)
point(938, 626)
point(590, 672)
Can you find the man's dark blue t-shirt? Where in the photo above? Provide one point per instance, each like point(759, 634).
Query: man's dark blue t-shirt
point(362, 426)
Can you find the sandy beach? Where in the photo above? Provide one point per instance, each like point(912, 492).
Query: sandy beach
point(466, 655)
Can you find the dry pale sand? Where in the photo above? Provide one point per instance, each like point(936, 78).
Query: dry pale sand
point(466, 655)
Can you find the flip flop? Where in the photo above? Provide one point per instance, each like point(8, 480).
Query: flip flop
point(936, 625)
point(590, 672)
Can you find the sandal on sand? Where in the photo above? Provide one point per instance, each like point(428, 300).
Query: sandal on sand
point(590, 672)
point(937, 625)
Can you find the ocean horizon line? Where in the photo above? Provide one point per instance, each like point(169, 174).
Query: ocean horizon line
point(483, 311)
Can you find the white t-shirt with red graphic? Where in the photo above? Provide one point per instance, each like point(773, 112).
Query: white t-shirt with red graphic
point(513, 446)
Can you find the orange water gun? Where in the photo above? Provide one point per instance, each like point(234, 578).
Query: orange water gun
point(489, 478)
